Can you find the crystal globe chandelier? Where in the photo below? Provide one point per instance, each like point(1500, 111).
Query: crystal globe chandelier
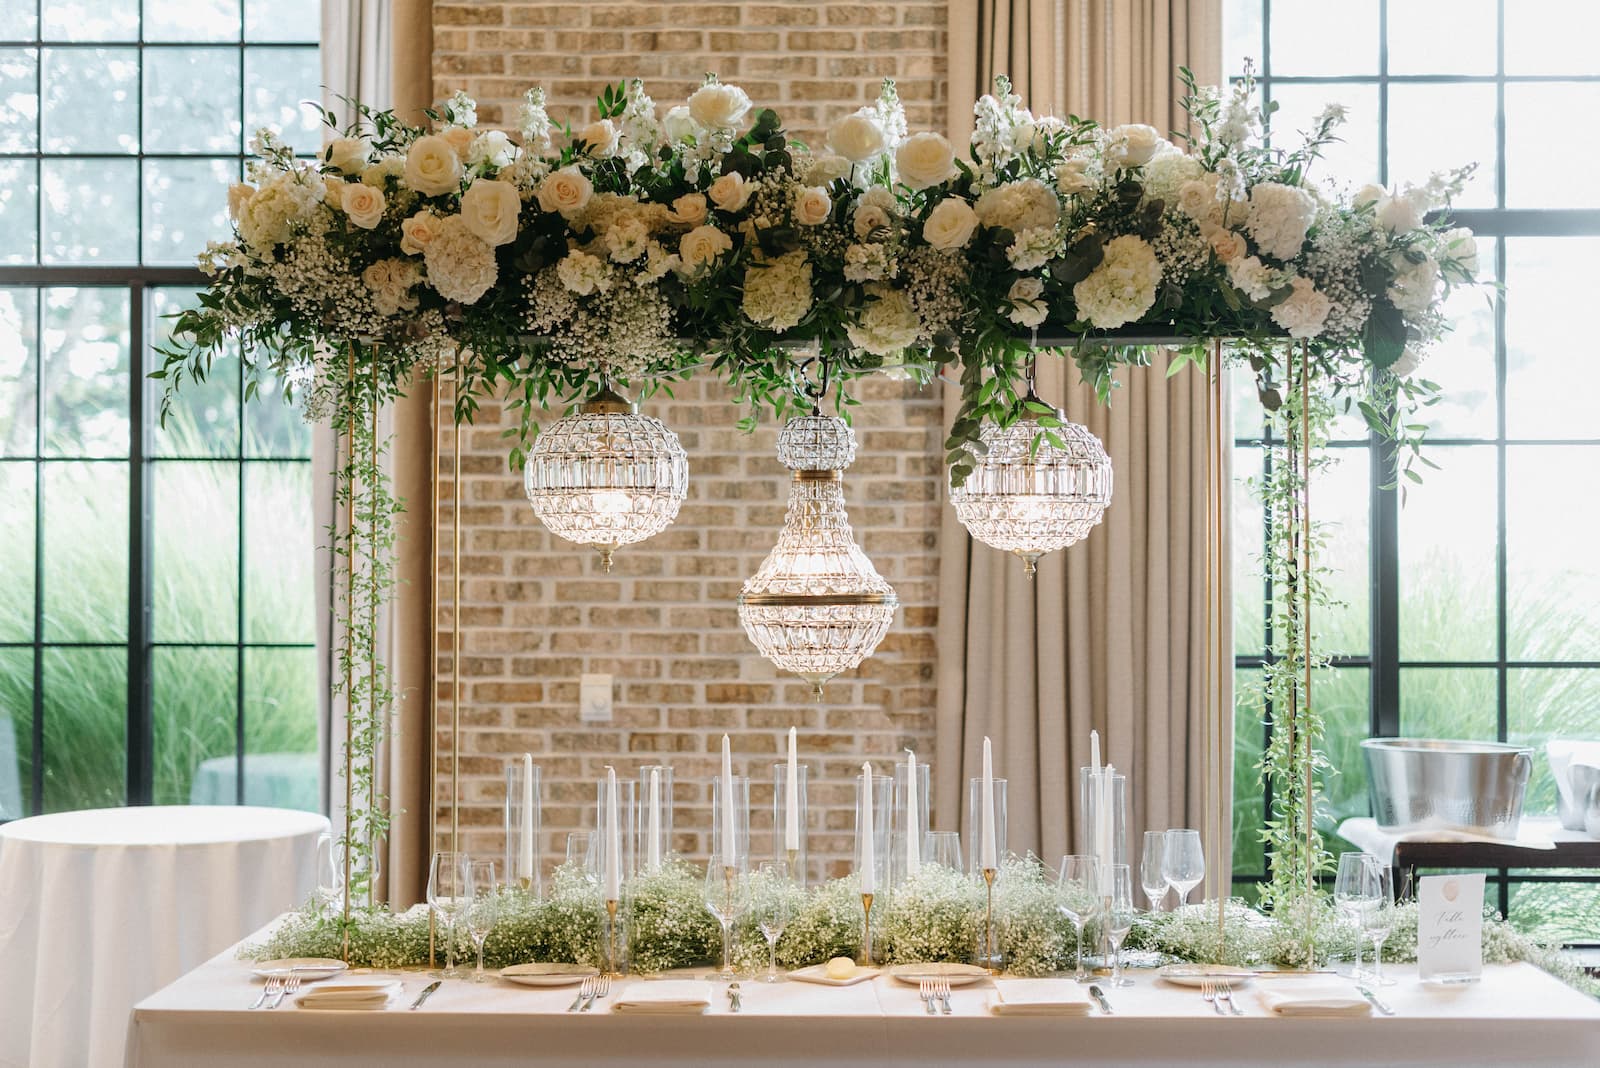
point(606, 476)
point(1029, 496)
point(816, 606)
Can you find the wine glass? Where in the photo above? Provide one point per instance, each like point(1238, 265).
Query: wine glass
point(330, 873)
point(580, 852)
point(943, 847)
point(770, 904)
point(449, 890)
point(1350, 891)
point(483, 908)
point(726, 898)
point(1077, 897)
point(1119, 918)
point(1183, 863)
point(1377, 914)
point(1151, 879)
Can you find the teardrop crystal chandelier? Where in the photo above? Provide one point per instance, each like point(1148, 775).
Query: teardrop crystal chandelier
point(816, 606)
point(1028, 495)
point(606, 476)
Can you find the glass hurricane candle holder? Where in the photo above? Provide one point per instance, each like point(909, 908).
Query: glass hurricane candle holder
point(902, 824)
point(520, 866)
point(654, 820)
point(792, 854)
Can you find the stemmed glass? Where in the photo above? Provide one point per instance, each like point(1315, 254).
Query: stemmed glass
point(1183, 863)
point(483, 908)
point(770, 903)
point(943, 847)
point(1151, 879)
point(1377, 914)
point(330, 874)
point(1119, 918)
point(726, 898)
point(1077, 894)
point(580, 851)
point(1350, 892)
point(449, 890)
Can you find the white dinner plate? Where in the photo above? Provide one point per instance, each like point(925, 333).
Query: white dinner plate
point(309, 969)
point(818, 973)
point(1199, 974)
point(955, 974)
point(547, 974)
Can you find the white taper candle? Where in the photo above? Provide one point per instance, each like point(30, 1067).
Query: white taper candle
point(913, 830)
point(730, 852)
point(653, 851)
point(868, 872)
point(791, 801)
point(988, 858)
point(525, 832)
point(613, 839)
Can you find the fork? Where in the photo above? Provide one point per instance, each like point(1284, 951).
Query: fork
point(602, 987)
point(925, 992)
point(1208, 993)
point(272, 986)
point(585, 988)
point(941, 990)
point(1225, 993)
point(290, 986)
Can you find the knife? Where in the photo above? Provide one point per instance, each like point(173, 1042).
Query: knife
point(1377, 1004)
point(1100, 996)
point(733, 997)
point(427, 992)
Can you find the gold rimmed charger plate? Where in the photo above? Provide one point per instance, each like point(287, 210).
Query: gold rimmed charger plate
point(547, 974)
point(954, 974)
point(1199, 974)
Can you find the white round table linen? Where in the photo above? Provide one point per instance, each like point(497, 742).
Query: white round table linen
point(99, 909)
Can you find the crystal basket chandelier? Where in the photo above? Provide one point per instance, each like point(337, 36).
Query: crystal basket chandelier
point(606, 476)
point(816, 606)
point(1031, 497)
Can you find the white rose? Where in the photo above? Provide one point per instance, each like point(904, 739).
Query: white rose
point(700, 247)
point(869, 217)
point(600, 138)
point(1398, 215)
point(1370, 194)
point(719, 107)
point(566, 191)
point(950, 224)
point(459, 138)
point(812, 206)
point(924, 159)
point(1304, 310)
point(730, 192)
point(1133, 145)
point(432, 166)
point(490, 209)
point(678, 125)
point(1462, 247)
point(1071, 179)
point(826, 168)
point(417, 231)
point(1414, 285)
point(347, 155)
point(1198, 199)
point(1227, 244)
point(857, 138)
point(239, 194)
point(1027, 307)
point(492, 148)
point(690, 209)
point(1252, 277)
point(362, 204)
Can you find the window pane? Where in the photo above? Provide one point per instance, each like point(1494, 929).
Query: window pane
point(1448, 703)
point(194, 585)
point(85, 551)
point(1354, 159)
point(1249, 591)
point(1241, 36)
point(16, 732)
point(1306, 41)
point(86, 372)
point(1447, 558)
point(192, 20)
point(19, 211)
point(274, 427)
point(1552, 574)
point(1556, 913)
point(19, 346)
point(282, 766)
point(1542, 704)
point(19, 100)
point(191, 100)
point(1343, 696)
point(1552, 37)
point(1552, 377)
point(204, 420)
point(1418, 43)
point(91, 20)
point(18, 22)
point(280, 545)
point(1538, 116)
point(1341, 502)
point(91, 100)
point(276, 80)
point(186, 205)
point(284, 20)
point(193, 700)
point(85, 736)
point(1462, 363)
point(91, 211)
point(1249, 799)
point(16, 548)
point(1441, 127)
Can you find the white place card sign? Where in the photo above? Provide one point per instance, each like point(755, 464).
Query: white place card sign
point(1450, 927)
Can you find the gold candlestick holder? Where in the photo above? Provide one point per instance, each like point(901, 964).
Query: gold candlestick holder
point(866, 932)
point(794, 865)
point(991, 953)
point(611, 938)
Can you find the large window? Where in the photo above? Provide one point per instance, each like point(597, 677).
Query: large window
point(156, 630)
point(1471, 603)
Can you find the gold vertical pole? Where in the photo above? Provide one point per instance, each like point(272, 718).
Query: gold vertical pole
point(372, 628)
point(1305, 599)
point(349, 741)
point(455, 616)
point(433, 648)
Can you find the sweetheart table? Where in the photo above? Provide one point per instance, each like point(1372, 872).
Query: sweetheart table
point(1517, 1015)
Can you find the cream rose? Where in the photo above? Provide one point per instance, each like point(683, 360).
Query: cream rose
point(566, 191)
point(857, 138)
point(719, 107)
point(417, 231)
point(1071, 177)
point(490, 209)
point(690, 209)
point(924, 159)
point(600, 138)
point(678, 125)
point(700, 247)
point(459, 139)
point(950, 224)
point(1132, 145)
point(826, 168)
point(432, 166)
point(362, 204)
point(1229, 245)
point(347, 155)
point(868, 219)
point(239, 194)
point(812, 206)
point(730, 191)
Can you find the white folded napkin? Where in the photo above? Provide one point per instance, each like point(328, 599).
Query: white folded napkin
point(1305, 997)
point(665, 996)
point(1038, 997)
point(355, 994)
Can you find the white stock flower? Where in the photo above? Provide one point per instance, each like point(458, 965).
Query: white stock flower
point(868, 262)
point(950, 224)
point(391, 282)
point(490, 209)
point(1252, 277)
point(362, 204)
point(566, 191)
point(924, 160)
point(825, 168)
point(730, 192)
point(887, 324)
point(1132, 145)
point(678, 125)
point(1071, 178)
point(1279, 217)
point(492, 148)
point(690, 209)
point(432, 166)
point(1414, 285)
point(777, 293)
point(812, 206)
point(718, 107)
point(1027, 308)
point(239, 194)
point(858, 138)
point(627, 239)
point(460, 266)
point(1032, 249)
point(1123, 287)
point(600, 138)
point(417, 231)
point(1021, 205)
point(700, 247)
point(1304, 310)
point(582, 273)
point(347, 155)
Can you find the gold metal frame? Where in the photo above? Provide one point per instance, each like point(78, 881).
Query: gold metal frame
point(1217, 658)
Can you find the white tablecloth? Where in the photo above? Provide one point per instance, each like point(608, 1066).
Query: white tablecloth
point(1535, 833)
point(1517, 1016)
point(98, 909)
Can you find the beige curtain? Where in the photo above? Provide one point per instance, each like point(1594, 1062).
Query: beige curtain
point(1112, 633)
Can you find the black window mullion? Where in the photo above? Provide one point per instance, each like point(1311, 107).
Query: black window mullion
point(239, 599)
point(36, 779)
point(140, 719)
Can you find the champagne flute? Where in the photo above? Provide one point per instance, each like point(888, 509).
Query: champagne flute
point(770, 903)
point(449, 889)
point(483, 909)
point(725, 897)
point(1077, 894)
point(1151, 879)
point(1119, 919)
point(1183, 862)
point(1377, 914)
point(1349, 893)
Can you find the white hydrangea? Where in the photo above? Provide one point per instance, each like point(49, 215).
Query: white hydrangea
point(461, 266)
point(266, 216)
point(1123, 287)
point(777, 293)
point(1279, 217)
point(1035, 247)
point(887, 324)
point(1304, 310)
point(1021, 205)
point(1415, 285)
point(869, 262)
point(582, 273)
point(1167, 173)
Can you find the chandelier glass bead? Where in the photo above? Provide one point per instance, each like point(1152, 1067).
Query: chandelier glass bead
point(606, 476)
point(1031, 498)
point(816, 606)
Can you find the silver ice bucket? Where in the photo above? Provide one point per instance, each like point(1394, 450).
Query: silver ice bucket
point(1427, 784)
